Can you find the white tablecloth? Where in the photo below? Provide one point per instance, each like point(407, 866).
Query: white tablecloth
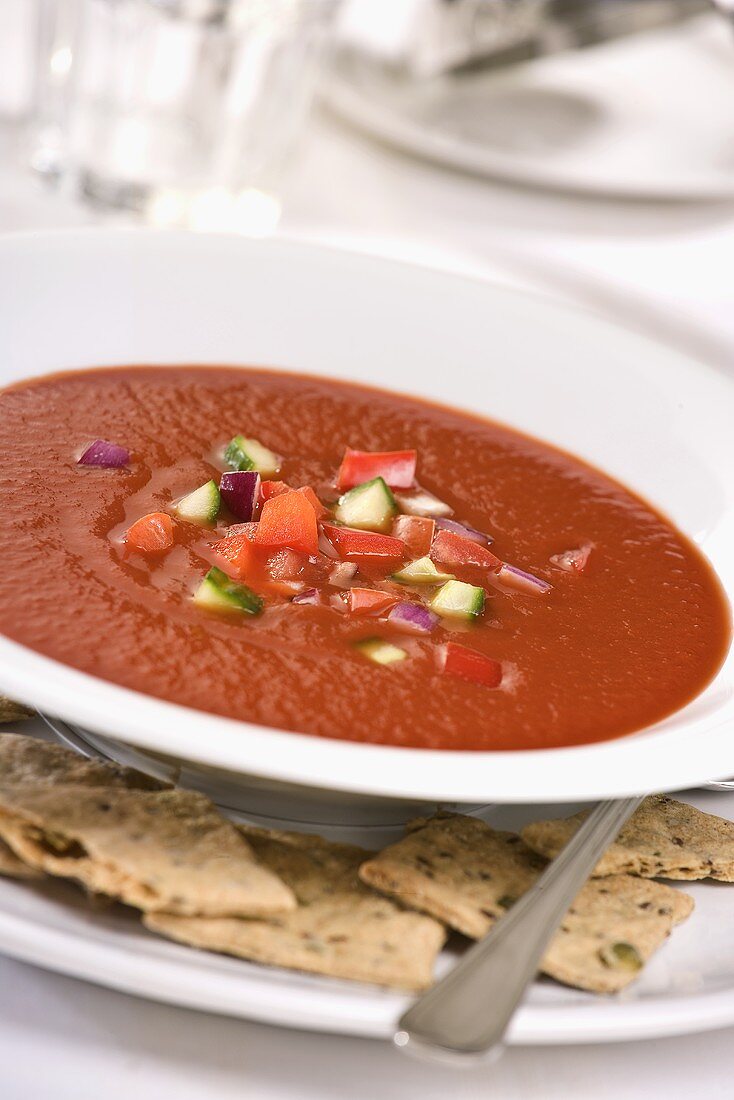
point(664, 269)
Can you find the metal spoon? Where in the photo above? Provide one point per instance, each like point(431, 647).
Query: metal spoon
point(465, 1016)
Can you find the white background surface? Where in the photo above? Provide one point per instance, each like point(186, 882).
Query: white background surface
point(666, 269)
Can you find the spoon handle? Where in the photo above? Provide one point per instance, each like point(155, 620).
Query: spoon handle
point(467, 1014)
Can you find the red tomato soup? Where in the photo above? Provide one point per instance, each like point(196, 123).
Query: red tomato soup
point(373, 568)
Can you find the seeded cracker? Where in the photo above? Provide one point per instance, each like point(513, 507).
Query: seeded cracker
point(10, 711)
point(467, 874)
point(340, 928)
point(664, 838)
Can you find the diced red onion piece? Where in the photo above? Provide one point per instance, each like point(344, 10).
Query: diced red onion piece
point(412, 618)
point(240, 491)
point(422, 503)
point(102, 453)
point(573, 561)
point(308, 596)
point(342, 575)
point(326, 548)
point(465, 530)
point(520, 581)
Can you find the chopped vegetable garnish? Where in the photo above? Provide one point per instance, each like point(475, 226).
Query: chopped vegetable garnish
point(239, 553)
point(153, 534)
point(451, 549)
point(240, 491)
point(470, 665)
point(518, 580)
point(421, 503)
point(288, 520)
point(309, 596)
point(314, 501)
point(416, 532)
point(396, 468)
point(457, 600)
point(270, 489)
point(102, 453)
point(249, 454)
point(369, 507)
point(466, 530)
point(369, 601)
point(413, 618)
point(422, 571)
point(248, 529)
point(218, 593)
point(354, 545)
point(573, 561)
point(342, 574)
point(201, 506)
point(380, 651)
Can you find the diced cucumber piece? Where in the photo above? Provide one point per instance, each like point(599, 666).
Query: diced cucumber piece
point(218, 593)
point(201, 506)
point(457, 600)
point(421, 571)
point(380, 651)
point(368, 507)
point(249, 454)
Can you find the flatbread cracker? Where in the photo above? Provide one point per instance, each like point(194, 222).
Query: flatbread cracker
point(664, 838)
point(30, 762)
point(12, 867)
point(10, 711)
point(456, 868)
point(467, 874)
point(340, 928)
point(156, 850)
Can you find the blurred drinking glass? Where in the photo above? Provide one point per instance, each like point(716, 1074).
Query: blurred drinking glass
point(185, 111)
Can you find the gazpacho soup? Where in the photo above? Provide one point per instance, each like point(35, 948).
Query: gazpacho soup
point(336, 560)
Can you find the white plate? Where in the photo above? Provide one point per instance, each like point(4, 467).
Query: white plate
point(688, 986)
point(644, 117)
point(656, 420)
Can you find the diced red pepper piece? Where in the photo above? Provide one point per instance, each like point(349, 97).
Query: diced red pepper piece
point(288, 520)
point(153, 534)
point(369, 601)
point(270, 489)
point(396, 468)
point(239, 552)
point(451, 549)
point(467, 664)
point(314, 501)
point(416, 532)
point(352, 545)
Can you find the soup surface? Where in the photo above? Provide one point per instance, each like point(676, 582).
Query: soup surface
point(614, 620)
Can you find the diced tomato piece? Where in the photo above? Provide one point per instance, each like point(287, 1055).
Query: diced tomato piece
point(470, 665)
point(353, 545)
point(314, 501)
point(153, 534)
point(288, 520)
point(248, 529)
point(239, 552)
point(416, 532)
point(451, 549)
point(369, 601)
point(397, 468)
point(573, 561)
point(270, 489)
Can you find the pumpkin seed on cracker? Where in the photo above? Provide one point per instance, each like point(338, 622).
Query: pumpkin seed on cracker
point(664, 838)
point(340, 928)
point(467, 874)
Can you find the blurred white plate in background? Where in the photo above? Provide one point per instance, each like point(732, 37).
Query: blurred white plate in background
point(644, 117)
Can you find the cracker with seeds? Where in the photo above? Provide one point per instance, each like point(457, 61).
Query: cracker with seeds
point(30, 762)
point(467, 874)
point(10, 711)
point(12, 867)
point(157, 850)
point(664, 838)
point(341, 928)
